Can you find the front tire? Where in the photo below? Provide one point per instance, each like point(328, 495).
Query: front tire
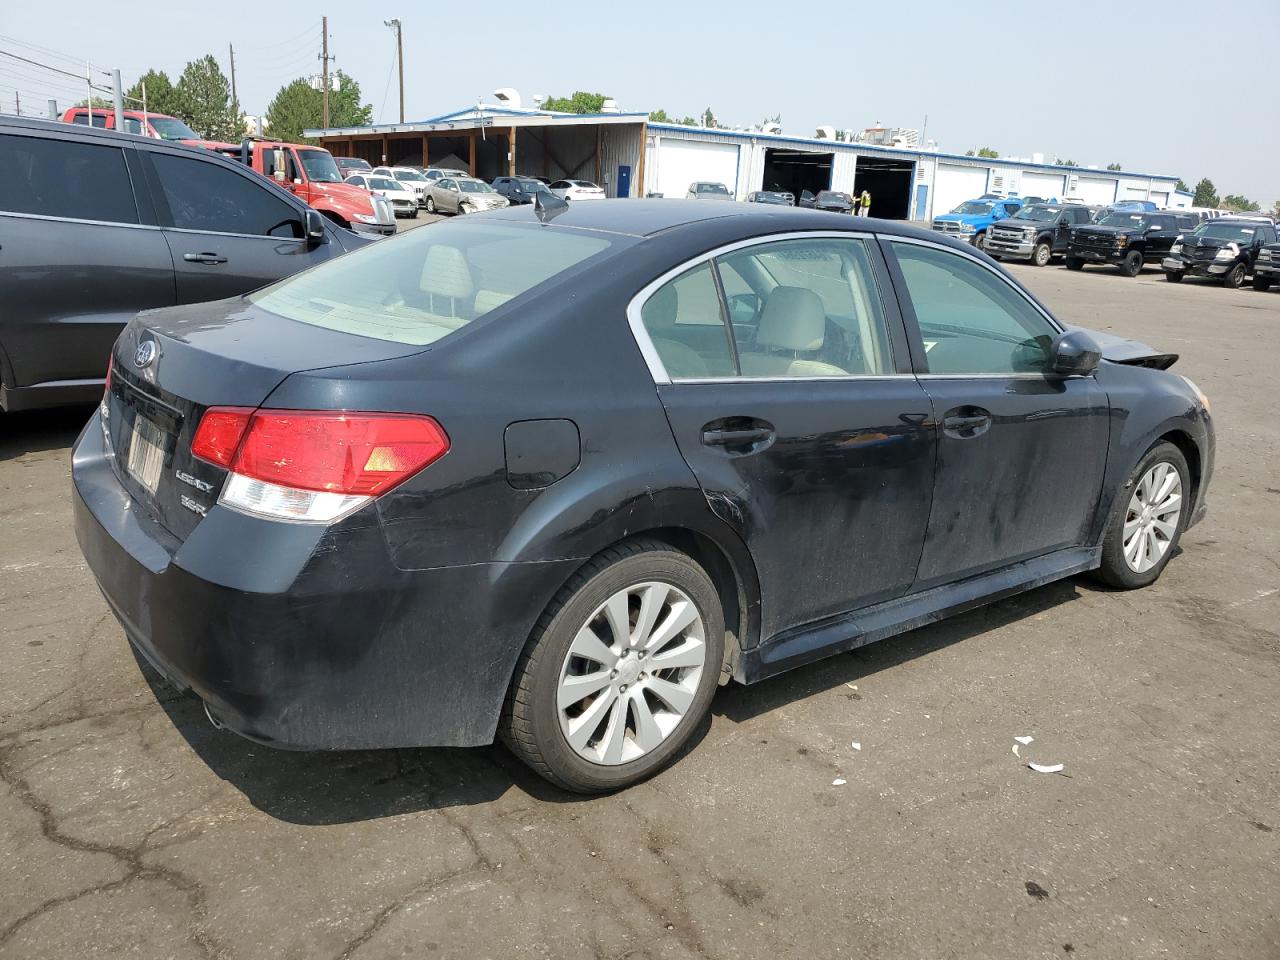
point(619, 672)
point(1174, 276)
point(1075, 263)
point(1147, 520)
point(1042, 254)
point(1261, 284)
point(431, 205)
point(1234, 278)
point(980, 240)
point(1131, 266)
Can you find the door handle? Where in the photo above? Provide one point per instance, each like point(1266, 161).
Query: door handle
point(736, 438)
point(204, 258)
point(966, 426)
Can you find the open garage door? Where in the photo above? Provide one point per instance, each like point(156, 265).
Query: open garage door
point(1047, 185)
point(682, 162)
point(954, 185)
point(889, 183)
point(796, 171)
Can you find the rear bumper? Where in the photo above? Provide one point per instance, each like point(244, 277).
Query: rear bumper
point(308, 637)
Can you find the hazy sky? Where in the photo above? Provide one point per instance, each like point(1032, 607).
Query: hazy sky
point(1098, 82)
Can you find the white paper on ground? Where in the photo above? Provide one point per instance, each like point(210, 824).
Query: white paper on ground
point(1025, 740)
point(1046, 767)
point(838, 782)
point(856, 745)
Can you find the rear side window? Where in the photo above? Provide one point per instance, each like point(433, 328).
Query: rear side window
point(425, 284)
point(62, 178)
point(206, 196)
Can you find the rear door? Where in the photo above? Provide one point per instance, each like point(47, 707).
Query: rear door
point(79, 256)
point(229, 231)
point(1161, 233)
point(800, 419)
point(1021, 453)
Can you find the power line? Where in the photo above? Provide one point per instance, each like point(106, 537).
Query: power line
point(50, 52)
point(45, 66)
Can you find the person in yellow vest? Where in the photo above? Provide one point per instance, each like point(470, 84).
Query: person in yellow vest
point(865, 202)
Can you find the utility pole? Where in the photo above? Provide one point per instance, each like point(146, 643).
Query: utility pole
point(324, 68)
point(234, 99)
point(395, 25)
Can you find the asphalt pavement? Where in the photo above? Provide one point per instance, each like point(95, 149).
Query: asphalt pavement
point(131, 827)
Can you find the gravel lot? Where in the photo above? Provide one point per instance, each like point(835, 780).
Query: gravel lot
point(129, 826)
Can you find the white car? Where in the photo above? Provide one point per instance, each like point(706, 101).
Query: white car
point(577, 190)
point(403, 200)
point(411, 178)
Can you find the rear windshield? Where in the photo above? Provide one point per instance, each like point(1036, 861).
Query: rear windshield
point(1124, 218)
point(425, 284)
point(1037, 213)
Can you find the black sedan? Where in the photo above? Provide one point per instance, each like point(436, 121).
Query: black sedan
point(780, 197)
point(833, 201)
point(555, 474)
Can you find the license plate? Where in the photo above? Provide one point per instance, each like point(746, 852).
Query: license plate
point(145, 461)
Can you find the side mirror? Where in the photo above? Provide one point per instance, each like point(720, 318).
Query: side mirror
point(1074, 354)
point(279, 175)
point(314, 223)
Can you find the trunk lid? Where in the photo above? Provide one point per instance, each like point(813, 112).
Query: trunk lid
point(225, 353)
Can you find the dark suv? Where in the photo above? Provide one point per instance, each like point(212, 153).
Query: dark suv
point(1266, 269)
point(520, 189)
point(1127, 239)
point(97, 225)
point(1038, 232)
point(1224, 249)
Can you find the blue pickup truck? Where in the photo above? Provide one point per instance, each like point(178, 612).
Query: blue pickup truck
point(973, 218)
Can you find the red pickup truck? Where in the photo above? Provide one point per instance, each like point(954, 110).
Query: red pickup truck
point(158, 125)
point(311, 174)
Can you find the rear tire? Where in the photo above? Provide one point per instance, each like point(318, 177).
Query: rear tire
point(607, 623)
point(1144, 512)
point(431, 205)
point(1234, 278)
point(1261, 284)
point(1131, 266)
point(1174, 276)
point(1041, 255)
point(1074, 263)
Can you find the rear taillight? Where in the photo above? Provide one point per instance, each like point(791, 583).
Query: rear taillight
point(314, 465)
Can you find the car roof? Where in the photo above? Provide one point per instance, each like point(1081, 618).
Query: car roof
point(645, 218)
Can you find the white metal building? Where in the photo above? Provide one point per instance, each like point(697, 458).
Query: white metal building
point(630, 156)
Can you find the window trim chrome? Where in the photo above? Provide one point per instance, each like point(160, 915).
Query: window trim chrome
point(650, 353)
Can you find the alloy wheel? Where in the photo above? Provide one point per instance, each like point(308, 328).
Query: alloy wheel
point(631, 673)
point(1151, 521)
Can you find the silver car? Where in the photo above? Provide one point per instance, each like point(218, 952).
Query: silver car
point(462, 195)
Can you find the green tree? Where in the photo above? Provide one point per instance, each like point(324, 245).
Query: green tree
point(204, 94)
point(97, 102)
point(968, 153)
point(1181, 185)
point(580, 102)
point(1067, 163)
point(1113, 166)
point(161, 95)
point(1206, 194)
point(1237, 202)
point(988, 154)
point(709, 119)
point(298, 106)
point(659, 116)
point(345, 108)
point(689, 122)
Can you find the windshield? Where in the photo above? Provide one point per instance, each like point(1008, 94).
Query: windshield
point(171, 129)
point(1235, 232)
point(532, 186)
point(425, 284)
point(832, 195)
point(475, 186)
point(1127, 219)
point(382, 183)
point(352, 163)
point(411, 175)
point(320, 166)
point(971, 207)
point(588, 185)
point(1037, 213)
point(713, 188)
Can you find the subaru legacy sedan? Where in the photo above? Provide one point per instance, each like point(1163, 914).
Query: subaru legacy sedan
point(552, 474)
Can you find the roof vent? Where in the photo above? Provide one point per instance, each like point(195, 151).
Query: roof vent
point(826, 133)
point(508, 97)
point(773, 128)
point(610, 105)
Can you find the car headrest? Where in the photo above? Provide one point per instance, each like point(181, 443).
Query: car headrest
point(793, 319)
point(445, 273)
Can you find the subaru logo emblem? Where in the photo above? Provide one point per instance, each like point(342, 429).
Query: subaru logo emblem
point(145, 354)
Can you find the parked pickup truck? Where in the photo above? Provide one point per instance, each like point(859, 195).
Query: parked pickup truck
point(973, 219)
point(1225, 249)
point(160, 126)
point(1126, 239)
point(1038, 232)
point(312, 175)
point(1266, 269)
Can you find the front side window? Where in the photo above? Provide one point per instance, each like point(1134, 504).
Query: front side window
point(61, 178)
point(209, 197)
point(972, 208)
point(320, 166)
point(971, 320)
point(476, 186)
point(170, 128)
point(425, 284)
point(796, 309)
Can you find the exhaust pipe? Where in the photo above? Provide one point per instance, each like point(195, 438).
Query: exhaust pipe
point(217, 725)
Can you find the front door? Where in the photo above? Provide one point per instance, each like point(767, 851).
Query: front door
point(229, 233)
point(624, 181)
point(1021, 452)
point(798, 419)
